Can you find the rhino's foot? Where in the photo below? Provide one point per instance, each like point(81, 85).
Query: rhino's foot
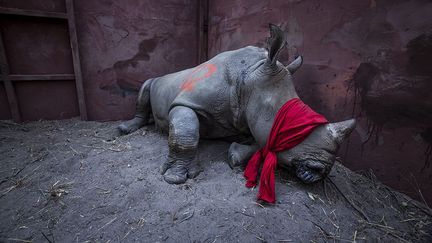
point(176, 174)
point(234, 160)
point(239, 155)
point(194, 170)
point(131, 125)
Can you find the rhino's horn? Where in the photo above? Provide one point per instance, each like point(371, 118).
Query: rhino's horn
point(276, 42)
point(341, 130)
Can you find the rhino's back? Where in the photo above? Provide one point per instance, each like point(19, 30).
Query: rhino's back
point(207, 89)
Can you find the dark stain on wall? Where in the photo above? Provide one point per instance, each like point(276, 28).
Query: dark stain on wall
point(405, 98)
point(420, 55)
point(362, 81)
point(124, 84)
point(145, 47)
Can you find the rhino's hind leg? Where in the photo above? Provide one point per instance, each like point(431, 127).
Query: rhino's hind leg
point(183, 143)
point(142, 113)
point(239, 154)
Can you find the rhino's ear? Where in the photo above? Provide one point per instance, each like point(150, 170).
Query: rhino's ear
point(275, 43)
point(294, 65)
point(341, 130)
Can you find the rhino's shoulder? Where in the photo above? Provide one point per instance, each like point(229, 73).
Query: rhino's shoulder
point(237, 62)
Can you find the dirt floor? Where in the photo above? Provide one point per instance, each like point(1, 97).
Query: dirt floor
point(74, 181)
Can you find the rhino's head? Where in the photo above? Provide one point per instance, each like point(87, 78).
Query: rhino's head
point(315, 156)
point(265, 88)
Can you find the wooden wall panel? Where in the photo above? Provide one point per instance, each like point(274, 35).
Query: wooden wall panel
point(5, 113)
point(37, 45)
point(41, 5)
point(47, 99)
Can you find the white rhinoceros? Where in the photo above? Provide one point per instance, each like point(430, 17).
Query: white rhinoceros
point(234, 93)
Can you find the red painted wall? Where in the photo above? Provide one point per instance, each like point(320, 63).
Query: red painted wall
point(123, 43)
point(363, 59)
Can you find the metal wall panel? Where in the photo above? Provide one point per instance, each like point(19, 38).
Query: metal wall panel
point(37, 45)
point(49, 100)
point(124, 43)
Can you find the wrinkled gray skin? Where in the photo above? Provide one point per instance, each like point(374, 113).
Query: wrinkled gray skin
point(240, 98)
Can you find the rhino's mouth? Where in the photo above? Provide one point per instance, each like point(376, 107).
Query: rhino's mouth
point(310, 171)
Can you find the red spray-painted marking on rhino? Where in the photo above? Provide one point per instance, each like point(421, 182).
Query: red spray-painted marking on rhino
point(192, 79)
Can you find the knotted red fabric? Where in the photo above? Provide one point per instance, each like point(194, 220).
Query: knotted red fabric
point(293, 123)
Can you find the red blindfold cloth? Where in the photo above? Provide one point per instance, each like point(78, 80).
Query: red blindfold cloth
point(293, 123)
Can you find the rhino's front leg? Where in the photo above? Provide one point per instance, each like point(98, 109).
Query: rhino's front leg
point(239, 154)
point(183, 143)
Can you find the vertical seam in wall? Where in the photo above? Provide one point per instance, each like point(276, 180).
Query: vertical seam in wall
point(202, 29)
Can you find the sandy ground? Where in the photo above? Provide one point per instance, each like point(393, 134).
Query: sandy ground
point(74, 181)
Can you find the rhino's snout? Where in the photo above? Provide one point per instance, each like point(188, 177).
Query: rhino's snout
point(311, 171)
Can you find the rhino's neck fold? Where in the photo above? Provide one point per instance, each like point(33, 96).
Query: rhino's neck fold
point(239, 99)
point(262, 107)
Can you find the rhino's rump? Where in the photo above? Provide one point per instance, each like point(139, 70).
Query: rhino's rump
point(209, 98)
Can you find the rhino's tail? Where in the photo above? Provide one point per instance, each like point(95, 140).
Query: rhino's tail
point(142, 112)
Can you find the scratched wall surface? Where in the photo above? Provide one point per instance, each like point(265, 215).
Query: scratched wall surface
point(123, 43)
point(363, 59)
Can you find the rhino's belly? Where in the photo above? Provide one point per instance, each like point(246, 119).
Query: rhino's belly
point(209, 99)
point(211, 125)
point(210, 129)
